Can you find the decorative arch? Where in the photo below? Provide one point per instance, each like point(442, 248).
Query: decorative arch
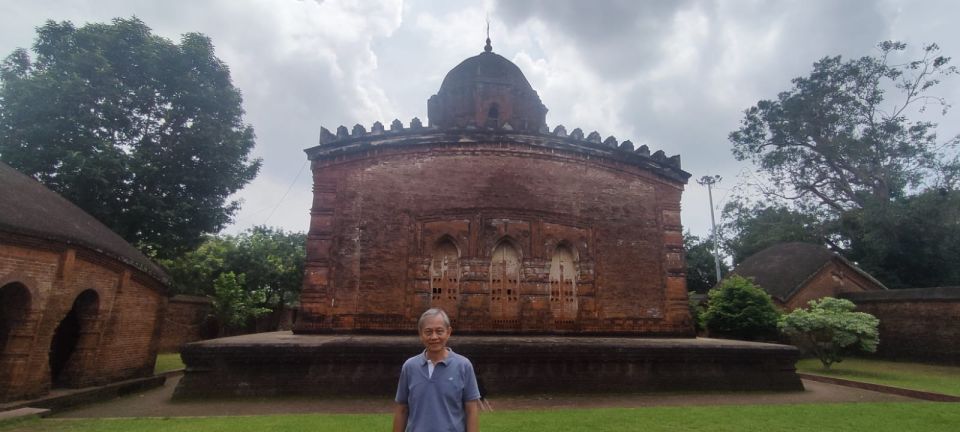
point(17, 324)
point(493, 112)
point(74, 341)
point(564, 271)
point(15, 304)
point(445, 275)
point(505, 275)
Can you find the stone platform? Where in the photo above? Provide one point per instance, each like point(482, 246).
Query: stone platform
point(281, 363)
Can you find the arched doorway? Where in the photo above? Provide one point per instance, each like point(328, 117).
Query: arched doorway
point(73, 341)
point(15, 303)
point(14, 309)
point(563, 285)
point(445, 277)
point(505, 286)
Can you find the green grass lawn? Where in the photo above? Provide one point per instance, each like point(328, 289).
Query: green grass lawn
point(917, 376)
point(872, 417)
point(168, 362)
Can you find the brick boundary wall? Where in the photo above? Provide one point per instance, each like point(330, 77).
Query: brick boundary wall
point(915, 324)
point(185, 321)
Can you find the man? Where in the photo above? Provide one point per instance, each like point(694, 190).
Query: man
point(438, 389)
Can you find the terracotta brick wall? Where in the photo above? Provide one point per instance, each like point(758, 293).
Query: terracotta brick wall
point(834, 279)
point(118, 340)
point(185, 321)
point(376, 219)
point(915, 324)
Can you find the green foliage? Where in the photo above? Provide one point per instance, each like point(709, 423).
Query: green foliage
point(701, 266)
point(833, 141)
point(830, 329)
point(144, 134)
point(697, 309)
point(752, 228)
point(233, 304)
point(908, 242)
point(270, 261)
point(739, 309)
point(846, 166)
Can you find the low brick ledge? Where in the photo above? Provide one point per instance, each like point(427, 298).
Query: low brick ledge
point(916, 394)
point(21, 413)
point(75, 397)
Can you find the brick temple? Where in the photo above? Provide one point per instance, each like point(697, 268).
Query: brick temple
point(508, 226)
point(556, 253)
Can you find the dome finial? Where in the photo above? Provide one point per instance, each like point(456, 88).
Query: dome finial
point(488, 47)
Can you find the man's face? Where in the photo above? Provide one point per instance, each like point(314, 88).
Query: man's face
point(434, 334)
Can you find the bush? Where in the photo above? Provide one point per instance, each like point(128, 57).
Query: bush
point(830, 329)
point(738, 309)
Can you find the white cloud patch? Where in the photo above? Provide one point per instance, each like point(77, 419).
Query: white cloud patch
point(673, 75)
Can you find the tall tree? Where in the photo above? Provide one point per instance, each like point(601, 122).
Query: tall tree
point(144, 134)
point(839, 148)
point(835, 140)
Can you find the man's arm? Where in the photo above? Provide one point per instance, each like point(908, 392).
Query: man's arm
point(472, 411)
point(400, 413)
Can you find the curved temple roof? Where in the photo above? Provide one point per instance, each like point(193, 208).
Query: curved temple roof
point(29, 208)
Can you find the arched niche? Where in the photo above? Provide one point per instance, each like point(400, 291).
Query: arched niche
point(445, 275)
point(17, 329)
point(15, 305)
point(504, 283)
point(564, 272)
point(74, 341)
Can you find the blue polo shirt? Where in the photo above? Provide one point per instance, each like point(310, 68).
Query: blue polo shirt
point(436, 402)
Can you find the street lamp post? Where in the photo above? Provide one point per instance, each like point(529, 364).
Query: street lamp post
point(709, 181)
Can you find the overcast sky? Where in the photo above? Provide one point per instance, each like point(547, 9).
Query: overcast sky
point(673, 75)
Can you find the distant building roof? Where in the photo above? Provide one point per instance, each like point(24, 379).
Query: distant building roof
point(29, 208)
point(782, 269)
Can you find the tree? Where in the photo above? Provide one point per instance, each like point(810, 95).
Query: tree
point(830, 329)
point(833, 140)
point(701, 267)
point(908, 242)
point(848, 167)
point(739, 309)
point(270, 260)
point(144, 134)
point(233, 304)
point(752, 228)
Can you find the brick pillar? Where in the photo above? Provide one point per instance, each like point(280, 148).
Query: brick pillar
point(315, 297)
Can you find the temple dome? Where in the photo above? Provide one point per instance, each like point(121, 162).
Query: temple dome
point(486, 90)
point(488, 68)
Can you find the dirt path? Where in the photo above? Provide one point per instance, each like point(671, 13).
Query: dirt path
point(157, 403)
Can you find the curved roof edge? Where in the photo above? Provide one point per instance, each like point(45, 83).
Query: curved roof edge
point(359, 139)
point(30, 209)
point(783, 268)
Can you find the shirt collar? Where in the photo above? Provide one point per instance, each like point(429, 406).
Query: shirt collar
point(424, 359)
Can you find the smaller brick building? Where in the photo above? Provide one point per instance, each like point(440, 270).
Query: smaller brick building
point(79, 306)
point(795, 273)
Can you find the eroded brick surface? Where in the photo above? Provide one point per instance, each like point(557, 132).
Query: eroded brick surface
point(116, 333)
point(478, 228)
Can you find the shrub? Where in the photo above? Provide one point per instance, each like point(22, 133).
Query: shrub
point(830, 329)
point(739, 309)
